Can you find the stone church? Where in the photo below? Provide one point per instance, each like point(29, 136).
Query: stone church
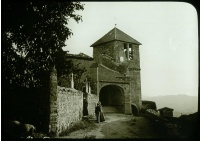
point(115, 69)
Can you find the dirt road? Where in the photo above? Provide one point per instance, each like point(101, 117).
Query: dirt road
point(118, 126)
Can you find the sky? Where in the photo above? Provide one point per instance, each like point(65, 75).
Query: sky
point(168, 32)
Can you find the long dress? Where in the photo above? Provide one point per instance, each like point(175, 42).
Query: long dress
point(97, 113)
point(85, 108)
point(102, 118)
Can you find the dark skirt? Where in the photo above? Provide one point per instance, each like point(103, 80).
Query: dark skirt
point(102, 117)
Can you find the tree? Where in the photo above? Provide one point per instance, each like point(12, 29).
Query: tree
point(65, 80)
point(33, 34)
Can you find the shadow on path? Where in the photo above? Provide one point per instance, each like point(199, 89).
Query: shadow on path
point(119, 126)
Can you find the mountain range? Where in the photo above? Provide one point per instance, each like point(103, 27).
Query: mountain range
point(181, 103)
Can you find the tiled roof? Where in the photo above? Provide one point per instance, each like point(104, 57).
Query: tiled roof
point(115, 34)
point(80, 55)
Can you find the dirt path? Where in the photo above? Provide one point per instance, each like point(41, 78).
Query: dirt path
point(118, 126)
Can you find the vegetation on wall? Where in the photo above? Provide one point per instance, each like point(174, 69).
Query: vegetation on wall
point(113, 65)
point(80, 76)
point(121, 68)
point(64, 78)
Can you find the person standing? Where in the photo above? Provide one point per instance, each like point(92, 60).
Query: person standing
point(85, 107)
point(98, 111)
point(102, 118)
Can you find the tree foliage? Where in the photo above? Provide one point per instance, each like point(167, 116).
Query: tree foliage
point(33, 34)
point(65, 78)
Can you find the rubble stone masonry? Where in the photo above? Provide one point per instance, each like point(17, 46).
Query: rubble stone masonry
point(92, 100)
point(69, 108)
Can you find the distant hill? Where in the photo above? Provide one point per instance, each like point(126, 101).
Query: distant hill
point(182, 104)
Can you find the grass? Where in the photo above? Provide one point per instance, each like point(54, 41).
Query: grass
point(83, 124)
point(90, 137)
point(91, 117)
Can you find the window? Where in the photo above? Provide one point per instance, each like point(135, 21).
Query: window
point(125, 51)
point(130, 52)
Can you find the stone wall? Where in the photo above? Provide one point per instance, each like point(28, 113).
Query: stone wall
point(106, 48)
point(92, 100)
point(136, 89)
point(70, 107)
point(107, 74)
point(67, 109)
point(115, 50)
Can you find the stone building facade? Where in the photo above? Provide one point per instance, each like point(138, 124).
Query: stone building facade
point(115, 69)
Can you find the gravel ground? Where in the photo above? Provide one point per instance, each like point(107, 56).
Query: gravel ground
point(118, 126)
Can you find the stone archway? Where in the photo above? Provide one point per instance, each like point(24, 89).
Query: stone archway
point(134, 110)
point(112, 99)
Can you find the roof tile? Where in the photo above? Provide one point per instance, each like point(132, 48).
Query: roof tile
point(115, 34)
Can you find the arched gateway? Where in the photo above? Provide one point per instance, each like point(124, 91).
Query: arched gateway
point(112, 98)
point(113, 74)
point(116, 72)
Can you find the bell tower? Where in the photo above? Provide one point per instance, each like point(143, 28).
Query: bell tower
point(118, 55)
point(116, 45)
